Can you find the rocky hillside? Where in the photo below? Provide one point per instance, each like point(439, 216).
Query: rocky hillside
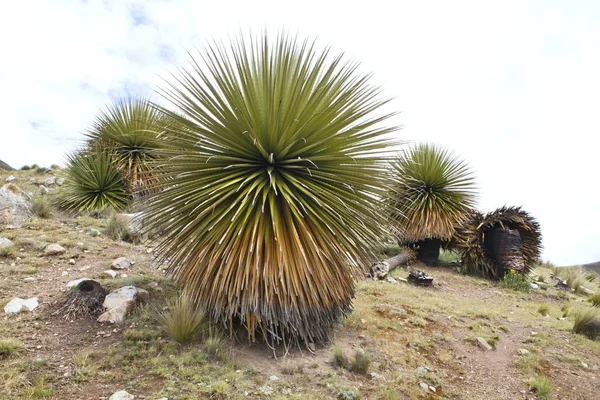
point(595, 267)
point(5, 167)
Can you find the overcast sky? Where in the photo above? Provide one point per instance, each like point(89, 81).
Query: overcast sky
point(513, 87)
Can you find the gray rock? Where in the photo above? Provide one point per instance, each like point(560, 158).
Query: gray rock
point(10, 179)
point(483, 344)
point(534, 286)
point(120, 263)
point(50, 181)
point(94, 232)
point(523, 352)
point(273, 378)
point(118, 304)
point(15, 206)
point(391, 280)
point(424, 386)
point(5, 243)
point(121, 395)
point(16, 305)
point(109, 273)
point(32, 180)
point(75, 282)
point(54, 249)
point(60, 181)
point(44, 189)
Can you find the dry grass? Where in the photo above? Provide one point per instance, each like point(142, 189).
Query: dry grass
point(182, 320)
point(541, 386)
point(42, 207)
point(361, 362)
point(10, 348)
point(587, 323)
point(595, 299)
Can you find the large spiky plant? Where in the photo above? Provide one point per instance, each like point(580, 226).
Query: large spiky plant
point(270, 185)
point(476, 253)
point(432, 192)
point(130, 130)
point(92, 183)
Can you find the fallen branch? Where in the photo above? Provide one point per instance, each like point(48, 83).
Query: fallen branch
point(379, 270)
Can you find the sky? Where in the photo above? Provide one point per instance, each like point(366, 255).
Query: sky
point(513, 87)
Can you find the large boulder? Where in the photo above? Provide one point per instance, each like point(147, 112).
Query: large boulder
point(15, 206)
point(5, 243)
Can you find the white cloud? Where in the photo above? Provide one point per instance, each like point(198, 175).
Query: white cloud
point(511, 86)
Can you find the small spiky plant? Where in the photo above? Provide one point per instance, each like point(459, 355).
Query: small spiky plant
point(268, 193)
point(92, 183)
point(432, 192)
point(130, 130)
point(477, 256)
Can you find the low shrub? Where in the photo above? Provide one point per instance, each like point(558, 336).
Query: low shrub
point(543, 309)
point(361, 362)
point(182, 320)
point(117, 229)
point(587, 323)
point(7, 251)
point(515, 281)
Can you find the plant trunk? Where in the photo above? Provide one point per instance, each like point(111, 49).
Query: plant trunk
point(380, 269)
point(429, 251)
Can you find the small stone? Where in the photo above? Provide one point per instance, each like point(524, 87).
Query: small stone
point(376, 376)
point(109, 273)
point(363, 321)
point(32, 180)
point(10, 179)
point(72, 261)
point(44, 189)
point(120, 263)
point(85, 268)
point(391, 280)
point(424, 386)
point(60, 181)
point(121, 395)
point(54, 249)
point(149, 250)
point(432, 389)
point(483, 344)
point(64, 273)
point(273, 378)
point(29, 279)
point(534, 286)
point(50, 181)
point(16, 305)
point(123, 275)
point(523, 351)
point(94, 232)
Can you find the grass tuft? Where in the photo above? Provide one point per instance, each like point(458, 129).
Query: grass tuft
point(587, 323)
point(361, 362)
point(595, 299)
point(213, 346)
point(10, 348)
point(117, 229)
point(182, 320)
point(541, 386)
point(543, 309)
point(40, 390)
point(339, 357)
point(42, 207)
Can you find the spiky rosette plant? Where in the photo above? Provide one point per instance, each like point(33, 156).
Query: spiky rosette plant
point(472, 241)
point(130, 130)
point(269, 190)
point(432, 192)
point(92, 183)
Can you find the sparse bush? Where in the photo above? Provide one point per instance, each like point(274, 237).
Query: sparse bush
point(182, 320)
point(573, 276)
point(543, 309)
point(219, 390)
point(42, 208)
point(595, 299)
point(515, 281)
point(587, 323)
point(10, 348)
point(361, 362)
point(591, 277)
point(449, 257)
point(41, 170)
point(339, 357)
point(541, 386)
point(121, 230)
point(25, 168)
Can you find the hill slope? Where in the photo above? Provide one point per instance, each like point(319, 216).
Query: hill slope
point(5, 166)
point(593, 267)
